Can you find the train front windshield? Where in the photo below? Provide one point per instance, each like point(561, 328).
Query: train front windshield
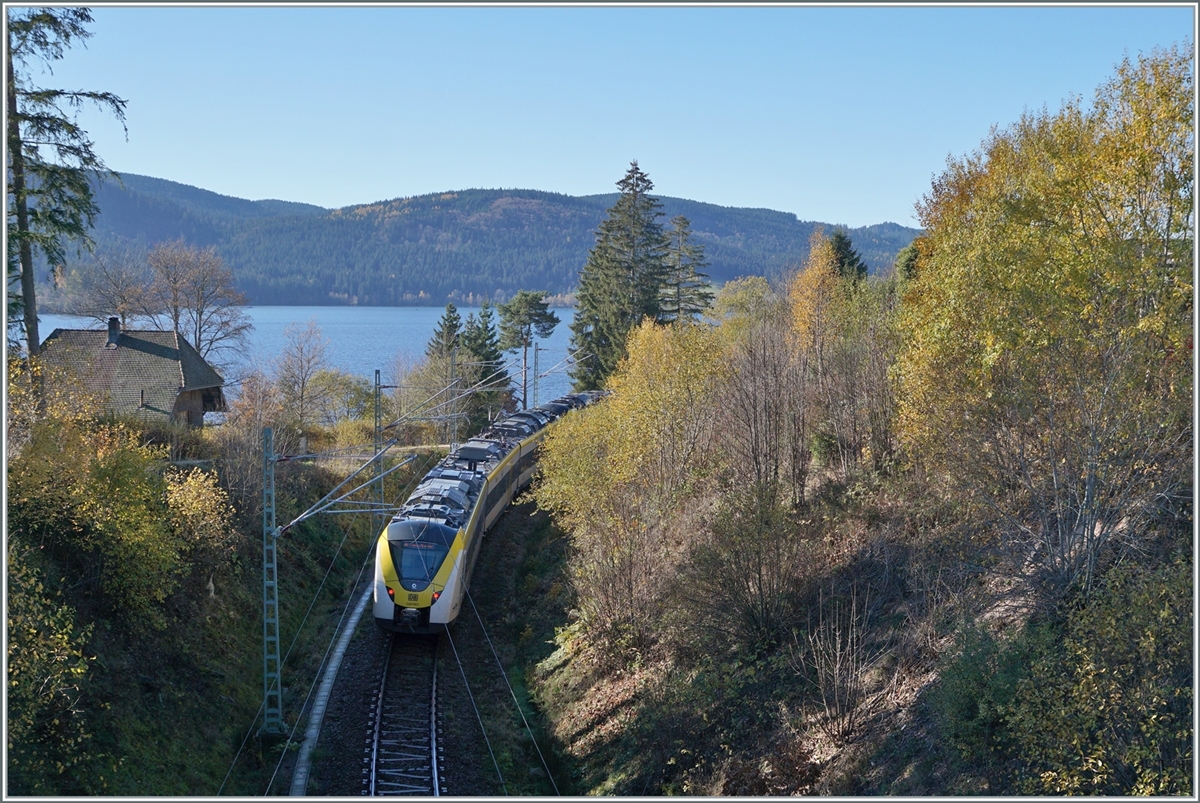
point(418, 563)
point(418, 549)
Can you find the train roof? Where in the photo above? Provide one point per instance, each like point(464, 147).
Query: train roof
point(533, 415)
point(479, 450)
point(451, 497)
point(514, 431)
point(414, 528)
point(554, 408)
point(449, 491)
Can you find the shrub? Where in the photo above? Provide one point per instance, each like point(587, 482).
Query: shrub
point(739, 579)
point(94, 499)
point(1111, 711)
point(977, 687)
point(839, 658)
point(1099, 704)
point(48, 737)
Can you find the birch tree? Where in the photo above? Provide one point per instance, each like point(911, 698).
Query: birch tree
point(192, 292)
point(302, 360)
point(1047, 369)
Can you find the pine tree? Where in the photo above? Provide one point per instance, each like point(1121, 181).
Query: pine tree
point(525, 316)
point(849, 263)
point(686, 291)
point(621, 282)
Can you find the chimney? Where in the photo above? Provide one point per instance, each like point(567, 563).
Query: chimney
point(114, 332)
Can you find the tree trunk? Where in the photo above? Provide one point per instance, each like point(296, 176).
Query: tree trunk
point(17, 167)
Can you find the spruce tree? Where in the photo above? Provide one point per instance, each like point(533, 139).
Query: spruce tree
point(51, 164)
point(621, 282)
point(906, 263)
point(686, 291)
point(447, 335)
point(481, 341)
point(849, 263)
point(442, 375)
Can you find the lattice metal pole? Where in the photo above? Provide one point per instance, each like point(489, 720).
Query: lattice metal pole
point(377, 518)
point(272, 681)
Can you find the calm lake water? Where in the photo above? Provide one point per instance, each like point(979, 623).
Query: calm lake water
point(362, 339)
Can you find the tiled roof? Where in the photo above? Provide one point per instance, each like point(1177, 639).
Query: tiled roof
point(141, 376)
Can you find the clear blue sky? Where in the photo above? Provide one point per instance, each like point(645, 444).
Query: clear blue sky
point(837, 114)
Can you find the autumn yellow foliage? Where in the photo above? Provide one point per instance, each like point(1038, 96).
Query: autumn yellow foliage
point(611, 473)
point(1047, 367)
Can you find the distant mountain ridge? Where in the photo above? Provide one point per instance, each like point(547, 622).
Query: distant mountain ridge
point(458, 246)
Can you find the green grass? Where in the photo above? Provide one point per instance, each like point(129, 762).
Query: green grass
point(174, 707)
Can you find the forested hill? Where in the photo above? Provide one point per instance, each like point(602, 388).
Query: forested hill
point(428, 249)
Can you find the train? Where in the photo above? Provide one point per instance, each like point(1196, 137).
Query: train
point(425, 555)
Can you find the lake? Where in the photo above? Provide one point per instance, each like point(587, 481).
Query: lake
point(362, 339)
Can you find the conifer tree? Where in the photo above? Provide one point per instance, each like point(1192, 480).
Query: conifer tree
point(906, 262)
point(525, 316)
point(447, 335)
point(686, 291)
point(51, 163)
point(621, 282)
point(440, 374)
point(481, 341)
point(481, 338)
point(849, 263)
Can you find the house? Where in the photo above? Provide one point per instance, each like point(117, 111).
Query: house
point(150, 375)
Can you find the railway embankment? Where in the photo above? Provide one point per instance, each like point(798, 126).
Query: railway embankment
point(694, 715)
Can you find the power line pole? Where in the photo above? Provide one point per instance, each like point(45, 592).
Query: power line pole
point(272, 682)
point(454, 393)
point(377, 519)
point(536, 349)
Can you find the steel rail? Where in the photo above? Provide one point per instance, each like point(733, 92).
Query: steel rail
point(404, 754)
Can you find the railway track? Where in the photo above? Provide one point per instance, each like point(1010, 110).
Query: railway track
point(404, 752)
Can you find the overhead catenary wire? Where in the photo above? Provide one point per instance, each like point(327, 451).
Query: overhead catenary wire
point(333, 638)
point(478, 716)
point(352, 449)
point(317, 507)
point(566, 363)
point(259, 711)
point(324, 657)
point(482, 383)
point(325, 503)
point(504, 675)
point(283, 662)
point(241, 747)
point(366, 559)
point(477, 387)
point(321, 505)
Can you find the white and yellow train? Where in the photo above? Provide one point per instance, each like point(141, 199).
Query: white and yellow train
point(425, 555)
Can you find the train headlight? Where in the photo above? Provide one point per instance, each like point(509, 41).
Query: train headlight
point(391, 594)
point(436, 594)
